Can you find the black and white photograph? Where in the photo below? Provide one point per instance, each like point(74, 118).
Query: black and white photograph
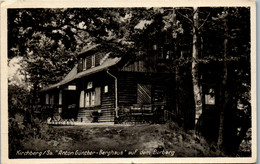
point(145, 82)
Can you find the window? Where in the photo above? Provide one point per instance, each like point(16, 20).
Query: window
point(93, 61)
point(90, 85)
point(93, 97)
point(210, 97)
point(106, 89)
point(163, 51)
point(72, 87)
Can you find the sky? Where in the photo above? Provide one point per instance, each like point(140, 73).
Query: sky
point(14, 75)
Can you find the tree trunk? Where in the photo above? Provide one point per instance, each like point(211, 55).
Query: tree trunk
point(194, 71)
point(223, 90)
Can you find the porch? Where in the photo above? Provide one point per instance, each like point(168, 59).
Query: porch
point(141, 114)
point(134, 114)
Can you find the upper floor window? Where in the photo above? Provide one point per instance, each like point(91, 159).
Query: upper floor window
point(163, 52)
point(87, 62)
point(160, 52)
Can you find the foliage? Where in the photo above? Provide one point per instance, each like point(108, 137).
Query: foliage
point(23, 130)
point(18, 98)
point(48, 40)
point(22, 125)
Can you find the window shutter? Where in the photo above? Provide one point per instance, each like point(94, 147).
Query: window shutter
point(144, 94)
point(98, 96)
point(81, 100)
point(87, 100)
point(84, 64)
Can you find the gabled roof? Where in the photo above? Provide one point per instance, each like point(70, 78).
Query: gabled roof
point(73, 74)
point(69, 77)
point(108, 63)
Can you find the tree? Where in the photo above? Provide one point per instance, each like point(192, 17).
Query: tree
point(231, 27)
point(194, 70)
point(212, 46)
point(223, 92)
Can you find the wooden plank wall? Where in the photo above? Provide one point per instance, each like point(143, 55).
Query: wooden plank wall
point(137, 66)
point(127, 92)
point(107, 106)
point(127, 87)
point(128, 82)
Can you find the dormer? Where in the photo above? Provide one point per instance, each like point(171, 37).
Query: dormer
point(88, 58)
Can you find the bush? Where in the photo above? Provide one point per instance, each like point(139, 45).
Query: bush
point(18, 100)
point(23, 129)
point(16, 135)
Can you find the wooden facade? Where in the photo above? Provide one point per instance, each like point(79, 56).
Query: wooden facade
point(102, 89)
point(105, 109)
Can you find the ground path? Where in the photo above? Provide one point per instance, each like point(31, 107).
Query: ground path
point(107, 140)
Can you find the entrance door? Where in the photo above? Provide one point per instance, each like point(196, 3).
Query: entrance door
point(69, 99)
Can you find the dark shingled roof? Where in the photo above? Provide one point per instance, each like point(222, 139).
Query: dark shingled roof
point(73, 74)
point(88, 48)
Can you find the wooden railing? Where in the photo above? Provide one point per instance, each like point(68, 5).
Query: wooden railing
point(138, 113)
point(52, 113)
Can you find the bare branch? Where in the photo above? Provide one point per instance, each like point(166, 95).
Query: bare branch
point(185, 17)
point(205, 20)
point(190, 20)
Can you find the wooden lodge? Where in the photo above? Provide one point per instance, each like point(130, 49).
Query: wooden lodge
point(103, 88)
